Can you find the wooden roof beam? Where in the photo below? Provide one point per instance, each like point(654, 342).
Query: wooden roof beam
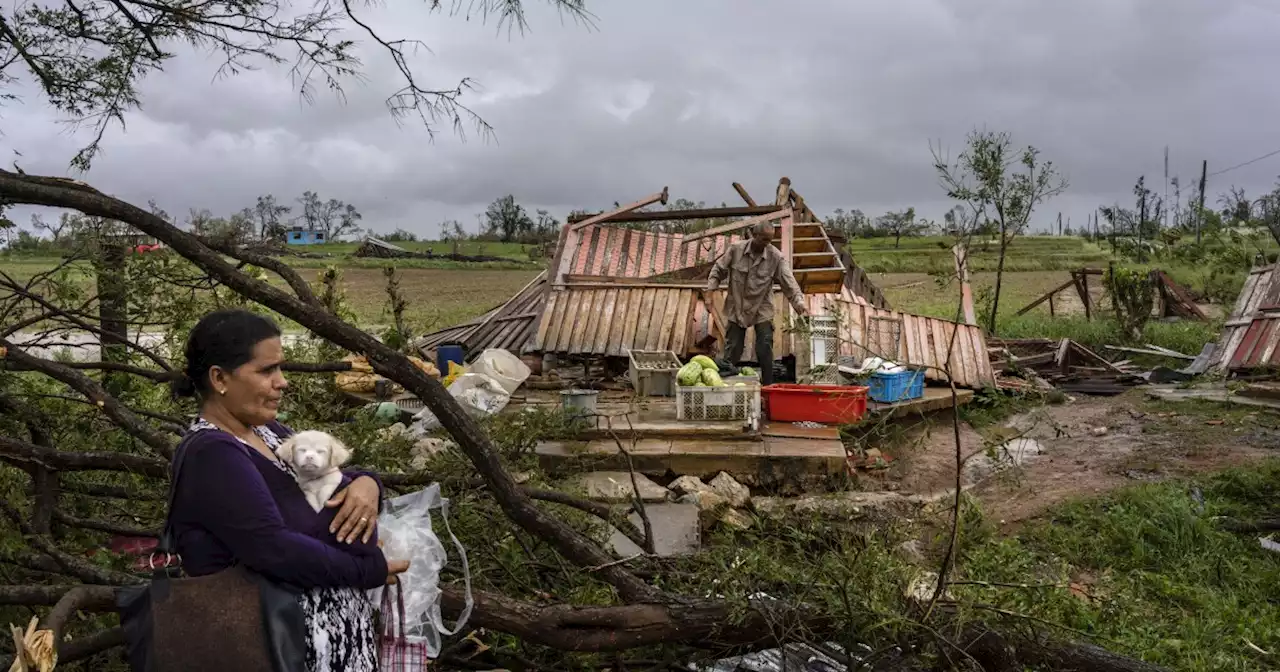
point(735, 226)
point(677, 215)
point(660, 197)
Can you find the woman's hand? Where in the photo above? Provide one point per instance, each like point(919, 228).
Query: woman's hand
point(358, 516)
point(394, 569)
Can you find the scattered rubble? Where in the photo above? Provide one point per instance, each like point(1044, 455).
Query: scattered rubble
point(737, 494)
point(615, 486)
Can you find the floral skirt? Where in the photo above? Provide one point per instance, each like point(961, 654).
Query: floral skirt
point(341, 628)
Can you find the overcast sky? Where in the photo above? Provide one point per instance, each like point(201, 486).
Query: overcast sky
point(843, 97)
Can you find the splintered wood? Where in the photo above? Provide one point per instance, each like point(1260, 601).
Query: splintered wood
point(1025, 364)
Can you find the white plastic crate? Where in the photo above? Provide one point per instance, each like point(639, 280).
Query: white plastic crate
point(698, 403)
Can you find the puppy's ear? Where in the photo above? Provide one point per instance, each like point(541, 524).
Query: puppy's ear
point(338, 452)
point(286, 450)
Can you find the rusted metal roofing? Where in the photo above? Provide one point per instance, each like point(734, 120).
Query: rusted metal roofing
point(508, 326)
point(629, 253)
point(1257, 347)
point(1248, 338)
point(598, 320)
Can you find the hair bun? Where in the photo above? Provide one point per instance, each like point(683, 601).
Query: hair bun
point(182, 386)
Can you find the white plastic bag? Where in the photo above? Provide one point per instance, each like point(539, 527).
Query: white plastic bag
point(478, 393)
point(405, 530)
point(503, 367)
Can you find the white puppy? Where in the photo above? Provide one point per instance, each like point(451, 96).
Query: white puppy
point(316, 456)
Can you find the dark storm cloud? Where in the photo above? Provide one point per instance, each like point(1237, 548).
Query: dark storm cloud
point(842, 97)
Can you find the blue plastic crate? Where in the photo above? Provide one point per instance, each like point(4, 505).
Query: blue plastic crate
point(888, 388)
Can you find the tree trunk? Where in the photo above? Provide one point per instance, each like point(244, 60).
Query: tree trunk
point(113, 306)
point(995, 300)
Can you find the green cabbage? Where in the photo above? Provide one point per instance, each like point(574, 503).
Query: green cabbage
point(689, 374)
point(706, 363)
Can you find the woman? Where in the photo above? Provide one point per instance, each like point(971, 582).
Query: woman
point(238, 503)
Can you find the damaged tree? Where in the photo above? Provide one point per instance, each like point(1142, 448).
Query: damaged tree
point(1004, 186)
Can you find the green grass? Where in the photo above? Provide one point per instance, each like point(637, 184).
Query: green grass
point(932, 254)
point(470, 247)
point(1148, 571)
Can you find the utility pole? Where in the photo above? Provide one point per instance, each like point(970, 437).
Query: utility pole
point(1059, 223)
point(1142, 221)
point(1166, 186)
point(1204, 174)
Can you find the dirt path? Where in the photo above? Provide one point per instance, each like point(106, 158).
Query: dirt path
point(1091, 446)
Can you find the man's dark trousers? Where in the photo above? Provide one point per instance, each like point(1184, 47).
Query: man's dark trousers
point(736, 338)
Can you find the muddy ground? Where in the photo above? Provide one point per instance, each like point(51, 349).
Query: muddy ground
point(1090, 445)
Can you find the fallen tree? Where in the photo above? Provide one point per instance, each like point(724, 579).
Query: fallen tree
point(636, 613)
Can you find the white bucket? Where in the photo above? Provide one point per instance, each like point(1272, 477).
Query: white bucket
point(503, 367)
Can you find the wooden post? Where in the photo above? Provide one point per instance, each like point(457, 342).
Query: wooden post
point(1051, 313)
point(1084, 296)
point(743, 193)
point(961, 254)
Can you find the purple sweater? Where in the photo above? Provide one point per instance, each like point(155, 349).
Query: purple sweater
point(234, 505)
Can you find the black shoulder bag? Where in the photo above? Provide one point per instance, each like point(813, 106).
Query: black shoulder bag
point(235, 619)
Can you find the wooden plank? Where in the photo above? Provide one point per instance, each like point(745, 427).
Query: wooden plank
point(540, 337)
point(621, 313)
point(660, 197)
point(582, 313)
point(654, 337)
point(677, 315)
point(588, 344)
point(654, 326)
point(745, 196)
point(788, 236)
point(557, 325)
point(809, 245)
point(739, 225)
point(605, 327)
point(1046, 297)
point(922, 337)
point(685, 302)
point(554, 315)
point(638, 320)
point(666, 335)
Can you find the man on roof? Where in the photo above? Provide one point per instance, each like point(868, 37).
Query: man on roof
point(752, 267)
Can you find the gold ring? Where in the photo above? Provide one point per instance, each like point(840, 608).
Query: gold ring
point(364, 520)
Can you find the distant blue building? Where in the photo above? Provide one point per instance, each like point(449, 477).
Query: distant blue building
point(300, 236)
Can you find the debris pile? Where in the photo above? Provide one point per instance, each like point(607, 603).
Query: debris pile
point(1026, 364)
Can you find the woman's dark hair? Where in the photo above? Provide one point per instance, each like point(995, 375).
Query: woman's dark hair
point(225, 339)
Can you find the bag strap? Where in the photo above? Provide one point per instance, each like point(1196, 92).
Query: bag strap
point(466, 572)
point(392, 628)
point(168, 540)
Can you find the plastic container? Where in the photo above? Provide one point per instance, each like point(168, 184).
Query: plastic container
point(699, 403)
point(889, 388)
point(581, 403)
point(449, 352)
point(827, 404)
point(503, 367)
point(653, 372)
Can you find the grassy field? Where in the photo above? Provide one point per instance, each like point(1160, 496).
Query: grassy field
point(932, 254)
point(442, 293)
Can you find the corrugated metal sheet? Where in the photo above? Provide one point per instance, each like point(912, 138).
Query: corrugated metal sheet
point(630, 253)
point(1249, 325)
point(608, 321)
point(508, 326)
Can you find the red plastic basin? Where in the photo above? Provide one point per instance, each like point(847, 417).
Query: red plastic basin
point(828, 404)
